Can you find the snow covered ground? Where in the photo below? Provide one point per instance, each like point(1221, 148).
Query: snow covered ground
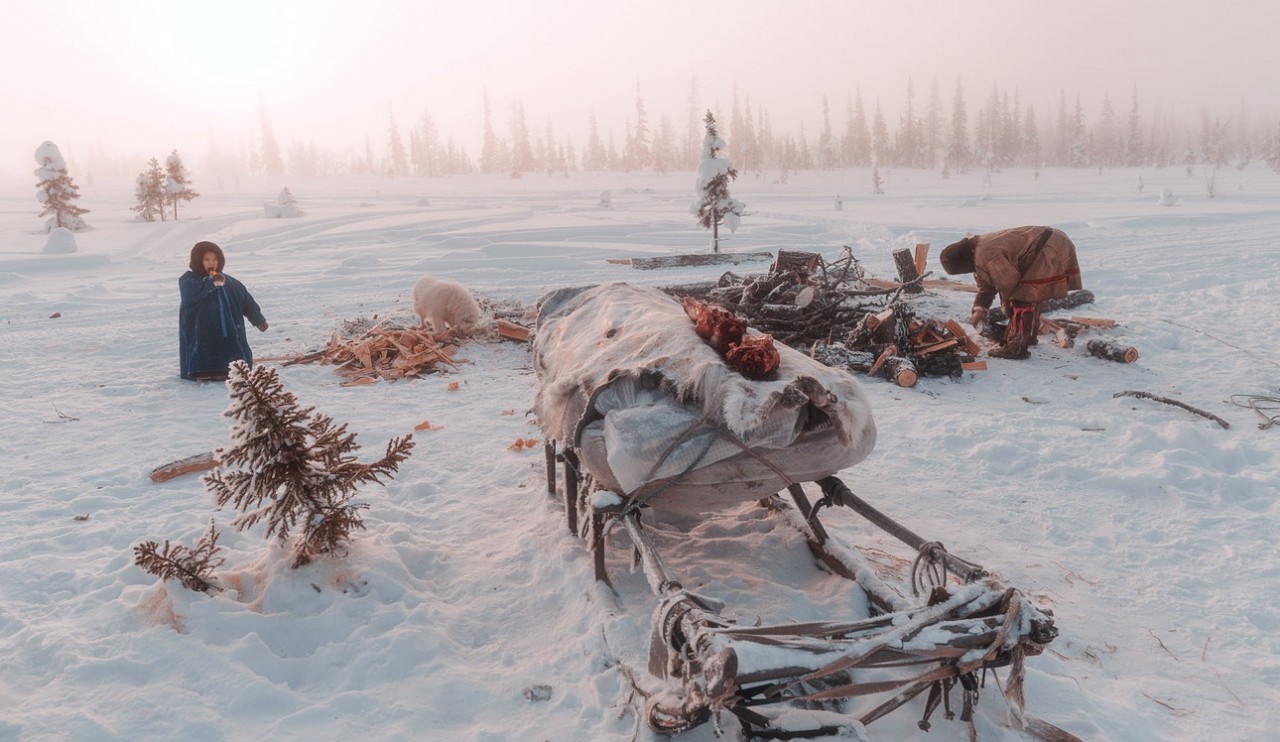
point(1149, 531)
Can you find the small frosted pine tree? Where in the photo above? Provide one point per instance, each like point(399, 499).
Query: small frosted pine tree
point(57, 191)
point(285, 206)
point(150, 192)
point(177, 182)
point(292, 468)
point(714, 205)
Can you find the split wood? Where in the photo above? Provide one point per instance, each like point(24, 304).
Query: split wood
point(382, 352)
point(1175, 403)
point(825, 309)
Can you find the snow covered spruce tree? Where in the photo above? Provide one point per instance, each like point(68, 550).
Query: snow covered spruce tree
point(714, 204)
point(150, 193)
point(177, 182)
point(291, 468)
point(57, 191)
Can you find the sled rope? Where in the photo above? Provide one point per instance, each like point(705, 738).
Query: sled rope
point(928, 570)
point(1246, 351)
point(1252, 401)
point(635, 504)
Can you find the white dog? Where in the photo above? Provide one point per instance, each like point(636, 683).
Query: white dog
point(445, 304)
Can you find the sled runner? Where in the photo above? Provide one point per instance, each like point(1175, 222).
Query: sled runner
point(640, 413)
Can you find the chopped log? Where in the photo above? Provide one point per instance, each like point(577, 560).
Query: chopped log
point(1175, 403)
point(1110, 352)
point(956, 330)
point(674, 261)
point(1094, 321)
point(901, 371)
point(199, 462)
point(795, 261)
point(512, 331)
point(907, 272)
point(922, 257)
point(1072, 299)
point(974, 365)
point(619, 261)
point(879, 318)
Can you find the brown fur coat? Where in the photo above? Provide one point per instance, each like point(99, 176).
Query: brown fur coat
point(1006, 263)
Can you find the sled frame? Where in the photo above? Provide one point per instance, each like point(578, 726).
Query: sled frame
point(695, 651)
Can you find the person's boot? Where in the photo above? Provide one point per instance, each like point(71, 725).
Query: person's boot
point(1014, 348)
point(1033, 333)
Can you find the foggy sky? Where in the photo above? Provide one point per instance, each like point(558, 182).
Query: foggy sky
point(141, 77)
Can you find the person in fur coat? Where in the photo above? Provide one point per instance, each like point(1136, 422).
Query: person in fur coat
point(211, 332)
point(1024, 266)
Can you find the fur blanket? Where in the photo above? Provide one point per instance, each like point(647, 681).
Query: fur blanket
point(652, 408)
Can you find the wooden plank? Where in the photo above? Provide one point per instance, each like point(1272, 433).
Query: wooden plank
point(199, 462)
point(922, 257)
point(928, 283)
point(1094, 321)
point(716, 258)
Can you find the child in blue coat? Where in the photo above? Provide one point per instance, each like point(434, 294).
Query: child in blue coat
point(211, 318)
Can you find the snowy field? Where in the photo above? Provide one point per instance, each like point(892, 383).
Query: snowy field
point(1148, 530)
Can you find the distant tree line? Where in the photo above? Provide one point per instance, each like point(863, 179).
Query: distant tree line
point(934, 131)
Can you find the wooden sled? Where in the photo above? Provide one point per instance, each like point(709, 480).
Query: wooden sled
point(783, 681)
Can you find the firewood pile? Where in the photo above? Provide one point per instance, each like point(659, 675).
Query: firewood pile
point(364, 351)
point(833, 313)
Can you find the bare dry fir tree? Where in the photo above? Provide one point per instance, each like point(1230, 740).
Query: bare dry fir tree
point(193, 567)
point(291, 468)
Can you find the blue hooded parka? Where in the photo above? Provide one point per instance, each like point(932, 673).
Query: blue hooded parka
point(211, 331)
